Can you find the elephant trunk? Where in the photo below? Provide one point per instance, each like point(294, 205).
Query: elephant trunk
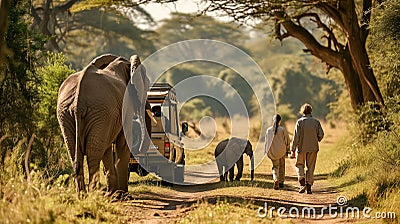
point(137, 135)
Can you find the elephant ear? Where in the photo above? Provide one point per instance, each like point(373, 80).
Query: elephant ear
point(103, 61)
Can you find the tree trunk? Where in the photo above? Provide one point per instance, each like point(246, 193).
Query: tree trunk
point(362, 65)
point(4, 7)
point(356, 45)
point(341, 60)
point(352, 80)
point(352, 59)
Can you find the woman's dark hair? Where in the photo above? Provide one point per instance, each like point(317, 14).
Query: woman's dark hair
point(277, 118)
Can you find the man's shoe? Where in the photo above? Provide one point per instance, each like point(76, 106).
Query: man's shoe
point(302, 182)
point(308, 186)
point(281, 185)
point(302, 189)
point(276, 185)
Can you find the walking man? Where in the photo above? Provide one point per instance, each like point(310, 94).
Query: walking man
point(307, 133)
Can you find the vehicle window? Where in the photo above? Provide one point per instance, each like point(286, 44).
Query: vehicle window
point(174, 128)
point(165, 111)
point(156, 109)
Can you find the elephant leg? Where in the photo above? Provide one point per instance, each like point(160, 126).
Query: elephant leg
point(232, 172)
point(220, 170)
point(110, 173)
point(239, 164)
point(94, 170)
point(79, 177)
point(225, 173)
point(122, 162)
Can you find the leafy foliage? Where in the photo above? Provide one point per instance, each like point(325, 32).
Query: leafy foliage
point(384, 44)
point(342, 45)
point(296, 85)
point(98, 32)
point(183, 26)
point(28, 97)
point(53, 73)
point(374, 151)
point(195, 109)
point(18, 90)
point(48, 151)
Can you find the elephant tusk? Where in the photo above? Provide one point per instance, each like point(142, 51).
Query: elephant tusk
point(151, 116)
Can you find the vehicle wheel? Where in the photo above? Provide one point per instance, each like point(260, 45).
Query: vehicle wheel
point(130, 168)
point(166, 183)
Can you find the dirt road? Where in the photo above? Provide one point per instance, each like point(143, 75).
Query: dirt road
point(177, 201)
point(169, 205)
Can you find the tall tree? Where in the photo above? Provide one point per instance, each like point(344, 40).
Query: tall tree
point(385, 45)
point(343, 45)
point(55, 18)
point(47, 20)
point(344, 23)
point(96, 32)
point(183, 26)
point(18, 90)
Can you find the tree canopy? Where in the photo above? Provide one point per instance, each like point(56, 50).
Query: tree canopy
point(344, 25)
point(183, 26)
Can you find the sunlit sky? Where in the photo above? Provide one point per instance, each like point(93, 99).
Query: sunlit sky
point(162, 11)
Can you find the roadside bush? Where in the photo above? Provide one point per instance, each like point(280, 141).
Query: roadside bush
point(48, 151)
point(369, 121)
point(42, 200)
point(375, 155)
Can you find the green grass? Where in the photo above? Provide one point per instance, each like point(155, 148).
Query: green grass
point(370, 175)
point(41, 202)
point(227, 212)
point(365, 174)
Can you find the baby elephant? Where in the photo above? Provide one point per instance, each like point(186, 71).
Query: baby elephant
point(230, 151)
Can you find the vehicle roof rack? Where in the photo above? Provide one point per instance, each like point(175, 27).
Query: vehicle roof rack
point(160, 87)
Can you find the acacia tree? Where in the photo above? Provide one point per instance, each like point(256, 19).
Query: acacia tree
point(55, 18)
point(47, 20)
point(343, 46)
point(344, 24)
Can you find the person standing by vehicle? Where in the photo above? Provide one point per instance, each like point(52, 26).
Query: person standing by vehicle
point(277, 145)
point(307, 133)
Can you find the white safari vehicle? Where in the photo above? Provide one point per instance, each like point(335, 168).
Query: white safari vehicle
point(166, 154)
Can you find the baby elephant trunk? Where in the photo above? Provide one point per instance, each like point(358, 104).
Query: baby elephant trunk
point(252, 167)
point(249, 152)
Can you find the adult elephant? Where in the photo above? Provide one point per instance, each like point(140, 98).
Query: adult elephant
point(230, 151)
point(89, 111)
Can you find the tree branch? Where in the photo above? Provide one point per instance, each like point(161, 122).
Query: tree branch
point(279, 35)
point(3, 138)
point(331, 36)
point(332, 12)
point(36, 16)
point(46, 17)
point(327, 55)
point(63, 7)
point(27, 155)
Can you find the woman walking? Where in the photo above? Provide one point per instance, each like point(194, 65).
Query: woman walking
point(276, 146)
